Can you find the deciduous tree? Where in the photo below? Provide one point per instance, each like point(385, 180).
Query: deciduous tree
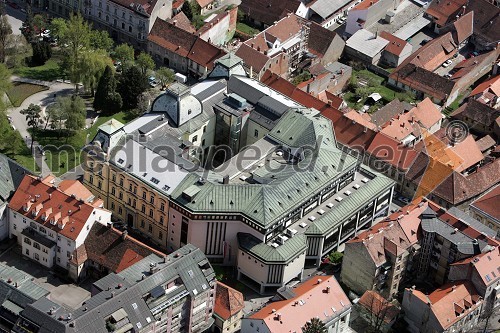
point(315, 325)
point(33, 118)
point(99, 39)
point(92, 65)
point(5, 33)
point(165, 76)
point(145, 62)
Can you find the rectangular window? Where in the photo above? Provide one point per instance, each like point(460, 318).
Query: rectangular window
point(195, 138)
point(162, 206)
point(184, 232)
point(150, 228)
point(150, 213)
point(256, 133)
point(36, 245)
point(142, 224)
point(143, 208)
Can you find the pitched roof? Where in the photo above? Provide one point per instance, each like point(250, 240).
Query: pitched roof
point(389, 111)
point(320, 39)
point(181, 20)
point(486, 20)
point(392, 151)
point(228, 301)
point(378, 305)
point(11, 175)
point(112, 249)
point(481, 61)
point(486, 265)
point(183, 43)
point(144, 7)
point(204, 3)
point(366, 43)
point(325, 8)
point(52, 204)
point(204, 53)
point(396, 45)
point(492, 85)
point(268, 11)
point(480, 113)
point(444, 11)
point(252, 58)
point(75, 188)
point(463, 27)
point(354, 135)
point(451, 302)
point(450, 185)
point(488, 203)
point(322, 298)
point(423, 80)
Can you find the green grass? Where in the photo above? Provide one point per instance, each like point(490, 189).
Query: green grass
point(375, 84)
point(453, 106)
point(51, 71)
point(246, 29)
point(120, 116)
point(62, 153)
point(20, 91)
point(26, 161)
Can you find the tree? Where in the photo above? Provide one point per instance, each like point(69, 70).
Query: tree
point(131, 84)
point(144, 101)
point(56, 114)
point(34, 119)
point(336, 257)
point(5, 32)
point(99, 39)
point(315, 325)
point(41, 53)
point(304, 76)
point(123, 53)
point(106, 98)
point(75, 114)
point(145, 62)
point(74, 38)
point(187, 10)
point(379, 310)
point(92, 65)
point(5, 84)
point(165, 76)
point(17, 51)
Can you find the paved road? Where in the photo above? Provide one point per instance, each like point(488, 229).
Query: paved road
point(42, 98)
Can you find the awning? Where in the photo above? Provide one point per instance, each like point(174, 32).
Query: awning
point(12, 307)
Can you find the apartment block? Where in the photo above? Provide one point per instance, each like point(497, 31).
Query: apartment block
point(126, 21)
point(174, 293)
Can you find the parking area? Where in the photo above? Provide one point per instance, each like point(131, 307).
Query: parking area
point(67, 294)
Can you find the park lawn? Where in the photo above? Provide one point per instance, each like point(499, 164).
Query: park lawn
point(26, 161)
point(62, 153)
point(50, 71)
point(246, 29)
point(20, 91)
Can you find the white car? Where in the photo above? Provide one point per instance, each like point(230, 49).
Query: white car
point(447, 63)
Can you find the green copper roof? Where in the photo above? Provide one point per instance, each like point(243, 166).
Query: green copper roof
point(286, 185)
point(230, 60)
point(111, 126)
point(283, 253)
point(350, 205)
point(11, 175)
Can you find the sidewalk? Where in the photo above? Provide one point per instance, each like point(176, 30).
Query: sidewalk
point(43, 99)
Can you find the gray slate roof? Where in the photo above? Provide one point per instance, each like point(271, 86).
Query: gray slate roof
point(188, 263)
point(11, 175)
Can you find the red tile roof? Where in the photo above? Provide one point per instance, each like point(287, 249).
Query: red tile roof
point(320, 297)
point(396, 45)
point(321, 38)
point(451, 302)
point(228, 301)
point(147, 5)
point(464, 27)
point(180, 20)
point(252, 58)
point(75, 188)
point(379, 306)
point(204, 3)
point(53, 205)
point(365, 4)
point(112, 249)
point(445, 11)
point(391, 151)
point(486, 21)
point(488, 203)
point(492, 85)
point(183, 43)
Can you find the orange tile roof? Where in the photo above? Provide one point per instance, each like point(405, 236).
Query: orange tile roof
point(487, 265)
point(451, 302)
point(228, 301)
point(464, 27)
point(491, 85)
point(53, 204)
point(361, 118)
point(365, 4)
point(180, 20)
point(323, 300)
point(75, 188)
point(204, 3)
point(252, 58)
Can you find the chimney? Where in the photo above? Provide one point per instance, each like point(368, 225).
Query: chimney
point(110, 224)
point(328, 289)
point(319, 281)
point(174, 22)
point(252, 45)
point(124, 234)
point(453, 288)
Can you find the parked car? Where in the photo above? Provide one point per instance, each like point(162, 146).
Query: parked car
point(9, 118)
point(424, 41)
point(447, 63)
point(448, 76)
point(404, 200)
point(341, 20)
